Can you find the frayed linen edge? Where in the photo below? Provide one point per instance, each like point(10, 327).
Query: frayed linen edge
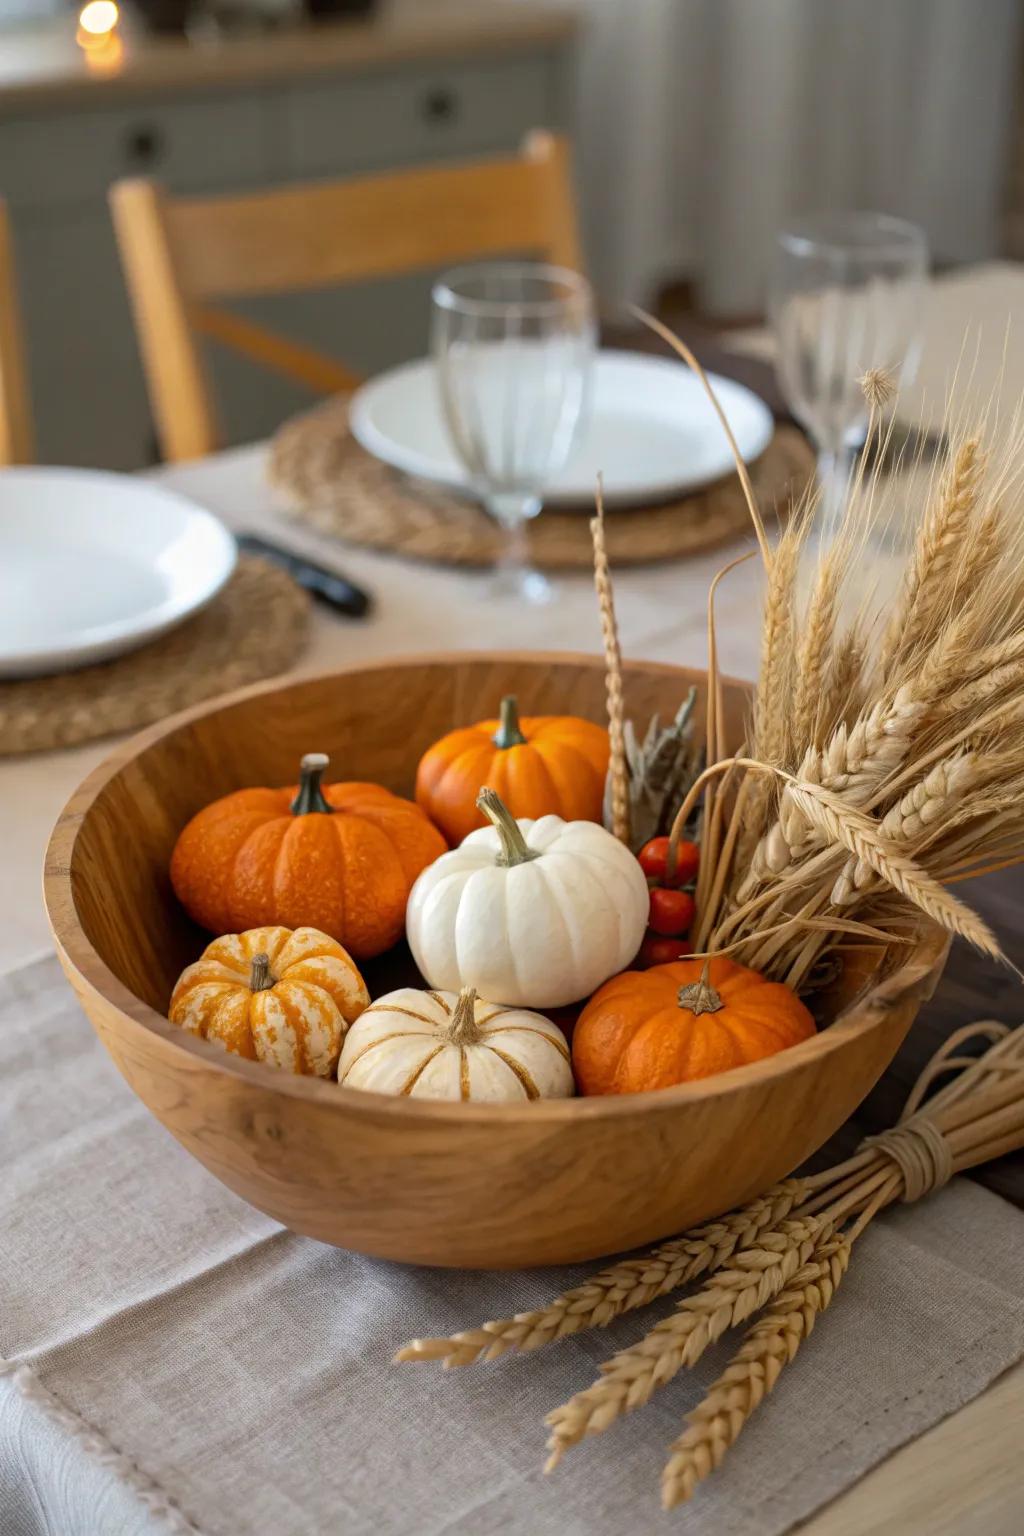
point(99, 1448)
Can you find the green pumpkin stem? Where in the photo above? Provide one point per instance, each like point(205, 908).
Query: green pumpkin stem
point(508, 733)
point(700, 996)
point(462, 1027)
point(310, 796)
point(260, 979)
point(513, 844)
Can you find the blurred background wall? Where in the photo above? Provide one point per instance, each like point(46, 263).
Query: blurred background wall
point(699, 127)
point(704, 124)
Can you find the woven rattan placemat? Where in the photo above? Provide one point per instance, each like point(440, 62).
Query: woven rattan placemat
point(337, 488)
point(255, 628)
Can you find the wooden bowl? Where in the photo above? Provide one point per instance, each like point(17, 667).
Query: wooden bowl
point(487, 1186)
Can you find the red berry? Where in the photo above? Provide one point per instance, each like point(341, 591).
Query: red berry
point(653, 858)
point(671, 912)
point(656, 950)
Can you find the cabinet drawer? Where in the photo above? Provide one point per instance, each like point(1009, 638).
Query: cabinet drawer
point(73, 158)
point(414, 115)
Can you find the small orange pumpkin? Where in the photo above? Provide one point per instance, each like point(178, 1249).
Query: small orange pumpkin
point(271, 995)
point(341, 858)
point(680, 1022)
point(542, 765)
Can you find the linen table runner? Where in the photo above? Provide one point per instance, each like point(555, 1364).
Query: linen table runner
point(175, 1361)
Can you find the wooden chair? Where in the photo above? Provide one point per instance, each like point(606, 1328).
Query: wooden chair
point(180, 254)
point(15, 413)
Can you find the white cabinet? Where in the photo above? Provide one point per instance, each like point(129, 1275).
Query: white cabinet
point(55, 168)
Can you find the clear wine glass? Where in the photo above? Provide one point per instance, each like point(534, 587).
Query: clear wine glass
point(847, 295)
point(514, 343)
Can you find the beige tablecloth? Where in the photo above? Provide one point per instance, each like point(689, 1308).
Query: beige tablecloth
point(175, 1362)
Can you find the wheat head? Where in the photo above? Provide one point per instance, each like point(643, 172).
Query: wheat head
point(934, 571)
point(773, 1341)
point(630, 1378)
point(929, 802)
point(621, 1287)
point(859, 835)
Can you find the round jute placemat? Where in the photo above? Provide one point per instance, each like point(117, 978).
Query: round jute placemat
point(253, 629)
point(334, 486)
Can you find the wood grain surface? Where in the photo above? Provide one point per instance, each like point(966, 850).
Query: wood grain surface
point(467, 1185)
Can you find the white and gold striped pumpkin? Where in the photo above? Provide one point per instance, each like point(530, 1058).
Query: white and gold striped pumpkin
point(278, 995)
point(447, 1045)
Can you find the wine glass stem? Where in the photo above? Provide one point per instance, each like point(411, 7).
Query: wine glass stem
point(835, 466)
point(511, 510)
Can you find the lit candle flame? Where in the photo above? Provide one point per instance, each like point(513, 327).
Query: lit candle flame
point(99, 18)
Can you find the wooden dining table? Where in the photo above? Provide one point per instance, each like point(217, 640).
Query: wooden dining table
point(964, 1476)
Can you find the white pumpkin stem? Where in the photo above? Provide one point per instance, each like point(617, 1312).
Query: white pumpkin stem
point(700, 996)
point(462, 1027)
point(513, 844)
point(509, 732)
point(260, 978)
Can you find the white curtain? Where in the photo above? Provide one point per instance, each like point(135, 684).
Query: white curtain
point(704, 124)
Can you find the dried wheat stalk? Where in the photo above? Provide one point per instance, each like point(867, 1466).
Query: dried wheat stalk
point(620, 1288)
point(613, 664)
point(943, 535)
point(841, 825)
point(814, 652)
point(885, 758)
point(788, 1270)
point(977, 1116)
point(773, 701)
point(629, 1378)
point(927, 804)
point(682, 350)
point(771, 1344)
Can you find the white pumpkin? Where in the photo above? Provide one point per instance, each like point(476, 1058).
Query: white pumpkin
point(443, 1045)
point(536, 913)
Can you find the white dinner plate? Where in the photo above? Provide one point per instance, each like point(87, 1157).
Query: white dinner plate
point(651, 430)
point(92, 564)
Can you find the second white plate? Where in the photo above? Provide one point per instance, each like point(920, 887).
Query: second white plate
point(93, 564)
point(651, 431)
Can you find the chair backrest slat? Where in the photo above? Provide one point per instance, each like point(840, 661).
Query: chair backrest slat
point(178, 254)
point(16, 445)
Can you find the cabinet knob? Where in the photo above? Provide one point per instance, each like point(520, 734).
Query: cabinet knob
point(143, 146)
point(440, 105)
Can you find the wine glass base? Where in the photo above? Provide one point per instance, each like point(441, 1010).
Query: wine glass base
point(522, 586)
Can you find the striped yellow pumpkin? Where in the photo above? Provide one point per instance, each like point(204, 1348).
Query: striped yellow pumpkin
point(447, 1045)
point(282, 996)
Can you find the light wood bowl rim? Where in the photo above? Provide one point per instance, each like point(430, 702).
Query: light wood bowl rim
point(96, 978)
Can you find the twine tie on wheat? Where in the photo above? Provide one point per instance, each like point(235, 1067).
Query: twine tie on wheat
point(921, 1153)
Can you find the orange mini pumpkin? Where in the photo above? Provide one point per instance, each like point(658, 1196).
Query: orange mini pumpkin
point(542, 765)
point(680, 1022)
point(341, 858)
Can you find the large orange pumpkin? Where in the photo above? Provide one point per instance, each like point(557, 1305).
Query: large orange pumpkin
point(541, 765)
point(341, 858)
point(676, 1023)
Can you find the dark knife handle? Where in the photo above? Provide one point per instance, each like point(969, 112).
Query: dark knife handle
point(329, 587)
